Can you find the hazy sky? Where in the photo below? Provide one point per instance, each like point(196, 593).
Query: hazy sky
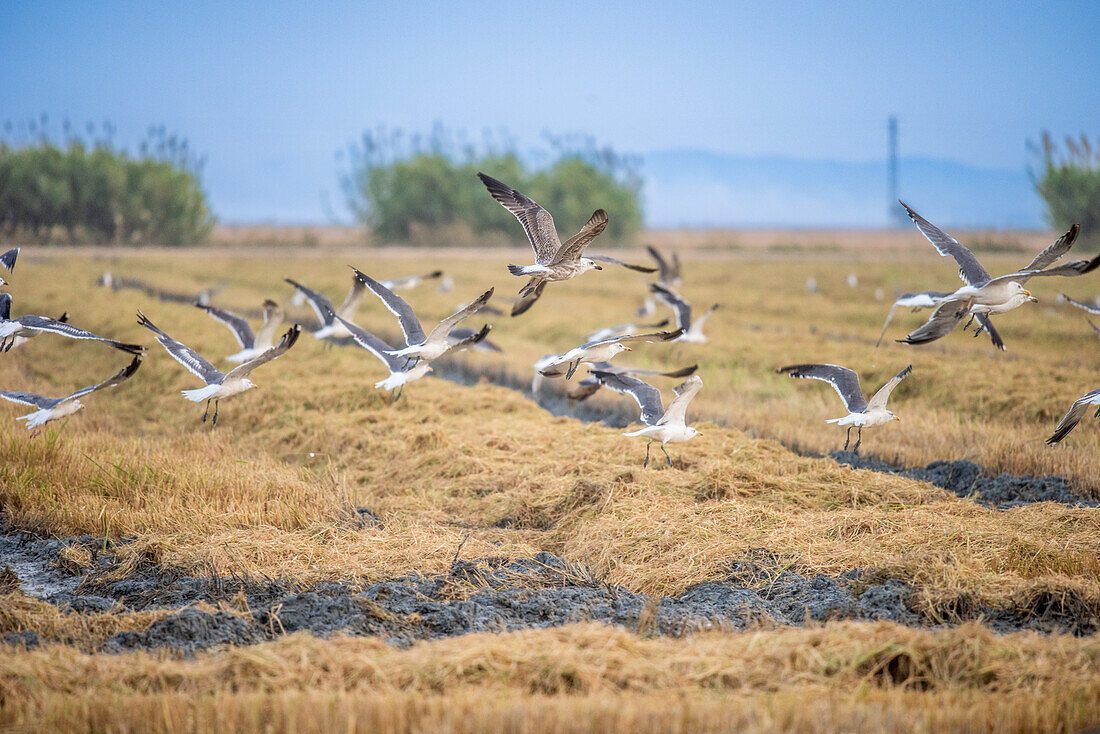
point(270, 91)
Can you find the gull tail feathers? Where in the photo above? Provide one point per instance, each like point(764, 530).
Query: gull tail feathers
point(199, 394)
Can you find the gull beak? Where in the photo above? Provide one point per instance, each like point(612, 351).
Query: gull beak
point(1031, 298)
point(897, 419)
point(628, 349)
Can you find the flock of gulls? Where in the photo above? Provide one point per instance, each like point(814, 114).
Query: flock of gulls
point(981, 297)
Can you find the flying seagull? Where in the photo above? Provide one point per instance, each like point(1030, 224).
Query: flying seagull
point(326, 312)
point(7, 260)
point(983, 295)
point(666, 426)
point(668, 275)
point(410, 281)
point(554, 260)
point(219, 384)
point(419, 345)
point(590, 385)
point(51, 409)
point(597, 351)
point(915, 301)
point(1092, 308)
point(21, 340)
point(1073, 417)
point(692, 328)
point(861, 412)
point(252, 345)
point(29, 327)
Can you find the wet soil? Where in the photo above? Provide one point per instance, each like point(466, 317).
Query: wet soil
point(486, 595)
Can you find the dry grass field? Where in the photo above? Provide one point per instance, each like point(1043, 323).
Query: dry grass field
point(272, 492)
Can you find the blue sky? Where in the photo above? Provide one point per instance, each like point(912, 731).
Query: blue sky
point(270, 91)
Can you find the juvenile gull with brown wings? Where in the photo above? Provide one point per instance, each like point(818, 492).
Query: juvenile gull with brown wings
point(861, 411)
point(219, 384)
point(51, 409)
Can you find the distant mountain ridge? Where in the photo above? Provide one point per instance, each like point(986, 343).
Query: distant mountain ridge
point(699, 188)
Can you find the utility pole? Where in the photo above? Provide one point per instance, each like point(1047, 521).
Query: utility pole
point(893, 209)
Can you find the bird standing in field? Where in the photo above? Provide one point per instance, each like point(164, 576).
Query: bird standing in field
point(596, 351)
point(418, 345)
point(983, 295)
point(51, 409)
point(28, 327)
point(861, 412)
point(219, 385)
point(554, 260)
point(1076, 412)
point(666, 426)
point(252, 345)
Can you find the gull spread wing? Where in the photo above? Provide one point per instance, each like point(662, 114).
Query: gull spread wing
point(1050, 255)
point(685, 392)
point(1089, 307)
point(375, 346)
point(994, 335)
point(352, 300)
point(663, 266)
point(523, 303)
point(410, 281)
point(916, 301)
point(537, 222)
point(444, 327)
point(275, 352)
point(410, 325)
point(658, 336)
point(647, 396)
point(186, 356)
point(28, 398)
point(629, 266)
point(237, 324)
point(1073, 417)
point(42, 323)
point(843, 380)
point(5, 306)
point(8, 259)
point(463, 340)
point(573, 248)
point(970, 270)
point(1070, 269)
point(677, 302)
point(116, 379)
point(941, 323)
point(320, 305)
point(878, 400)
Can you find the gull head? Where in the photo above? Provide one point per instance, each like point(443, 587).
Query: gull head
point(620, 347)
point(589, 264)
point(3, 282)
point(894, 417)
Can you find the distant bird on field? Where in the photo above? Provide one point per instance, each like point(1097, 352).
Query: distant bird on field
point(852, 280)
point(692, 328)
point(554, 260)
point(252, 345)
point(7, 260)
point(331, 328)
point(51, 409)
point(861, 412)
point(590, 385)
point(811, 284)
point(666, 426)
point(983, 295)
point(219, 385)
point(419, 345)
point(597, 351)
point(915, 301)
point(1073, 417)
point(29, 327)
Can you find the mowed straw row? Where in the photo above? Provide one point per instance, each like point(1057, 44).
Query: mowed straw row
point(841, 676)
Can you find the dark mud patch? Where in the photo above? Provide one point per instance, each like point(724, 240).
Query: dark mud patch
point(488, 595)
point(966, 479)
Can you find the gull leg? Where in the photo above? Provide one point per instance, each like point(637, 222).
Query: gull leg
point(667, 457)
point(968, 323)
point(847, 438)
point(400, 392)
point(646, 462)
point(207, 411)
point(215, 421)
point(1097, 415)
point(572, 368)
point(859, 440)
